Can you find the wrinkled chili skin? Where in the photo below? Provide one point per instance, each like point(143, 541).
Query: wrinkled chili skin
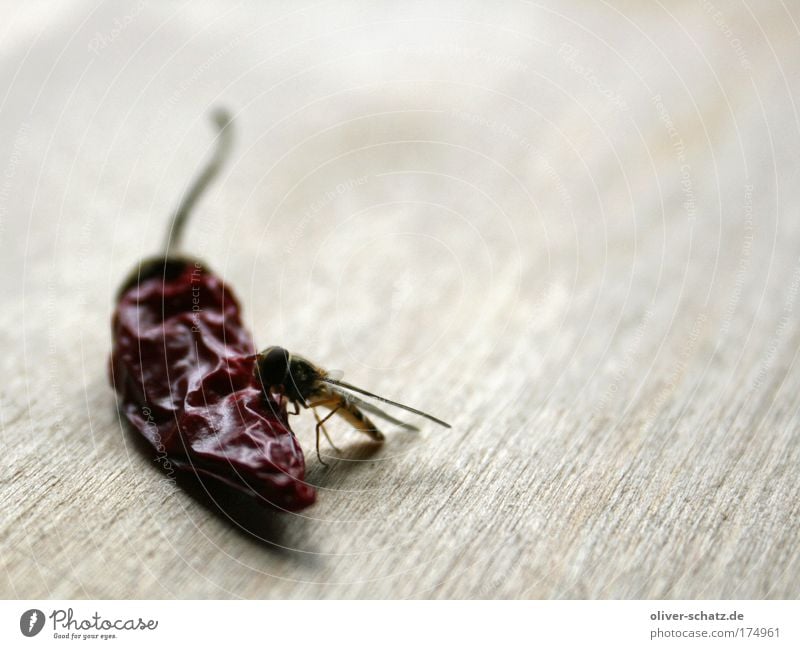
point(182, 365)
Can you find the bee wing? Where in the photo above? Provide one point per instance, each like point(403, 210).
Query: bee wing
point(334, 375)
point(347, 388)
point(366, 406)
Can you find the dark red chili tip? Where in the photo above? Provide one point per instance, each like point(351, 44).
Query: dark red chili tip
point(183, 366)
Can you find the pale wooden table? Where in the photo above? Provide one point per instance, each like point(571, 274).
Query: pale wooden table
point(571, 231)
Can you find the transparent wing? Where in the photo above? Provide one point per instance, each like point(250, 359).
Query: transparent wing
point(334, 375)
point(345, 388)
point(366, 406)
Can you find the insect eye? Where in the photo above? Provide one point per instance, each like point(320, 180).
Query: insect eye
point(273, 366)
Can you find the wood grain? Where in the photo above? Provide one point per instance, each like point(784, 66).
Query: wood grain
point(571, 231)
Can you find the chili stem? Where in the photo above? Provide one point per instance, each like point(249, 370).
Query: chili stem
point(222, 120)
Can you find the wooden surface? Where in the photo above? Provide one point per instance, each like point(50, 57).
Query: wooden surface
point(571, 231)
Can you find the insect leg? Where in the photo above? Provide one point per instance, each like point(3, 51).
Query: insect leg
point(348, 411)
point(321, 424)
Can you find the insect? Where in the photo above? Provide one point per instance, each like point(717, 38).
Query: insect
point(302, 383)
point(190, 380)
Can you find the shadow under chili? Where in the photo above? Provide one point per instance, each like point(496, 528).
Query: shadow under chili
point(251, 518)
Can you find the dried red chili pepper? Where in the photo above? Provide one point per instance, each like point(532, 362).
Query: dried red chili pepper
point(190, 380)
point(183, 366)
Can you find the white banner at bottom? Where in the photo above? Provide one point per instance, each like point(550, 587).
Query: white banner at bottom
point(387, 624)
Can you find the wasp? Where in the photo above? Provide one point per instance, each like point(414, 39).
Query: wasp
point(302, 383)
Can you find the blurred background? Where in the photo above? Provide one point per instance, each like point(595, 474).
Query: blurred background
point(571, 230)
